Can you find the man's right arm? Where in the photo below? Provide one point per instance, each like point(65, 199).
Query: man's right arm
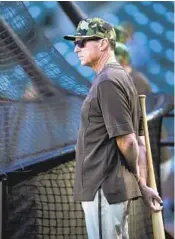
point(149, 195)
point(135, 156)
point(128, 146)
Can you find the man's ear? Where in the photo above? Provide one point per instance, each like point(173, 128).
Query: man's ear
point(104, 44)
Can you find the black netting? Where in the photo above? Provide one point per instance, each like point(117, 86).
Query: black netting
point(33, 132)
point(41, 206)
point(40, 101)
point(41, 203)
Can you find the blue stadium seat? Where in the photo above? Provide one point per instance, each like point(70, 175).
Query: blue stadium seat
point(156, 27)
point(159, 8)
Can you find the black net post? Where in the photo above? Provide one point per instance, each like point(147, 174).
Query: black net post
point(3, 207)
point(72, 11)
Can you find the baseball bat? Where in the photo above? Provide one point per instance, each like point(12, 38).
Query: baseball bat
point(157, 220)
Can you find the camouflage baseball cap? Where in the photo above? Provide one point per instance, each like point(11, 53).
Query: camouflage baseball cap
point(122, 53)
point(93, 27)
point(121, 34)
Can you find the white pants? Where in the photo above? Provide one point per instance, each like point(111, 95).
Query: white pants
point(104, 220)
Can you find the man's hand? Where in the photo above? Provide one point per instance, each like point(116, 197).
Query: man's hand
point(149, 198)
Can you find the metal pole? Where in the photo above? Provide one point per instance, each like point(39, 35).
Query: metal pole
point(3, 208)
point(73, 11)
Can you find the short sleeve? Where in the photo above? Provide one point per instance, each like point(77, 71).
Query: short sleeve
point(115, 109)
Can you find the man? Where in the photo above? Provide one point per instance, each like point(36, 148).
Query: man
point(110, 165)
point(121, 34)
point(140, 81)
point(139, 52)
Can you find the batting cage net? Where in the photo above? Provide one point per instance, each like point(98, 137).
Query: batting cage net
point(40, 100)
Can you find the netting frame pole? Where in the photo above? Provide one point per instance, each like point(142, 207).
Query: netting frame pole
point(159, 158)
point(73, 11)
point(3, 207)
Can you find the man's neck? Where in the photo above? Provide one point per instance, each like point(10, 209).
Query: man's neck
point(110, 60)
point(103, 61)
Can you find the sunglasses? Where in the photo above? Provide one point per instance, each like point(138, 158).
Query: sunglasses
point(81, 43)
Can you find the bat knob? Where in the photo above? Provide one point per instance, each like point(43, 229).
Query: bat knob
point(142, 96)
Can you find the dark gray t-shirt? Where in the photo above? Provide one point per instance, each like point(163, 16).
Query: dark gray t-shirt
point(111, 109)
